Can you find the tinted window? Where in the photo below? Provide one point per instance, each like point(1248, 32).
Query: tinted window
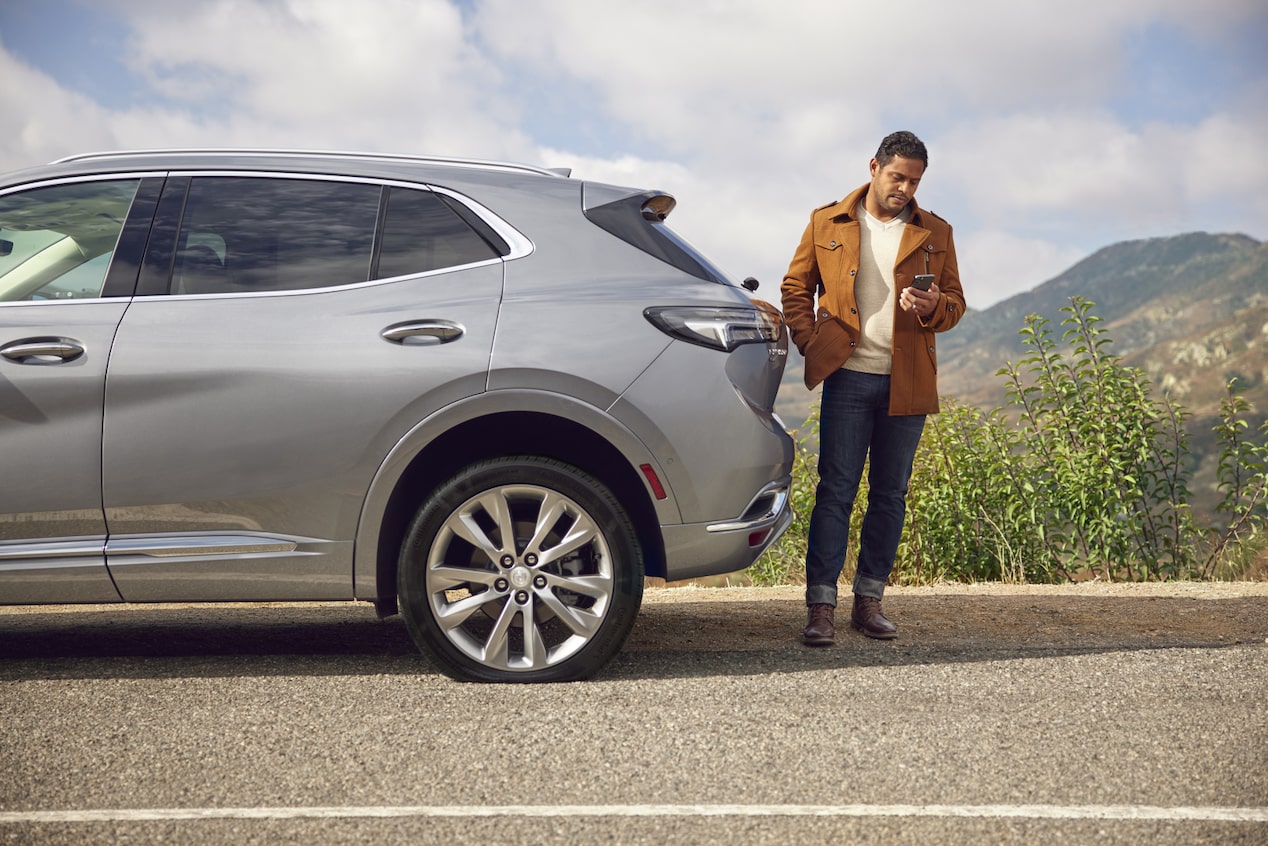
point(244, 234)
point(421, 233)
point(56, 242)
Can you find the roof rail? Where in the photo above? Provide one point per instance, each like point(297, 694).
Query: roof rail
point(338, 154)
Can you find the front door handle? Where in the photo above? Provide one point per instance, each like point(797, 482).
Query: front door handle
point(43, 350)
point(423, 332)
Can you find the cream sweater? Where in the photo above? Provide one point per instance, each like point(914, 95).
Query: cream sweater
point(874, 290)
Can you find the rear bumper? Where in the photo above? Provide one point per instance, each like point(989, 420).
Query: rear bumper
point(708, 549)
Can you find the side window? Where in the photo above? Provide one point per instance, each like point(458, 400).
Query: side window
point(56, 241)
point(249, 234)
point(421, 233)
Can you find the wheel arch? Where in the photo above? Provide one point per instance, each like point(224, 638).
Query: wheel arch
point(436, 450)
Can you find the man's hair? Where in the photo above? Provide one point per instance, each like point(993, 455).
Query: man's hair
point(904, 144)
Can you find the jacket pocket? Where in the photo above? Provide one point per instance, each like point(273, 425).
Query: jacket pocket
point(931, 348)
point(830, 344)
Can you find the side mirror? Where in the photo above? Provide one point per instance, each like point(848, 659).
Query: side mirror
point(6, 247)
point(750, 283)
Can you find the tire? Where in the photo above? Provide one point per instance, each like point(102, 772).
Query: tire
point(520, 569)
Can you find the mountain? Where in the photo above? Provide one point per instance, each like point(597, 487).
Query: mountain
point(1190, 310)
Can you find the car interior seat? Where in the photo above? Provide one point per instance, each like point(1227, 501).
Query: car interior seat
point(201, 271)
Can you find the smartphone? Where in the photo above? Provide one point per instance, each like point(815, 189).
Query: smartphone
point(922, 281)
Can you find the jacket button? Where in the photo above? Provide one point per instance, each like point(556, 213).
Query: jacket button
point(854, 311)
point(832, 244)
point(853, 344)
point(852, 272)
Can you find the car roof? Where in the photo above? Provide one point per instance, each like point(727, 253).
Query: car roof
point(374, 165)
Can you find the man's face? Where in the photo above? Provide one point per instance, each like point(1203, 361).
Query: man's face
point(895, 184)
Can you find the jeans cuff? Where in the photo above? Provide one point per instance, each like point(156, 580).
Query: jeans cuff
point(821, 594)
point(863, 586)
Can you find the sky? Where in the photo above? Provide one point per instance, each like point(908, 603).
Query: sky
point(1054, 129)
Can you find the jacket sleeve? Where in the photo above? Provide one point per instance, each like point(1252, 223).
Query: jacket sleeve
point(951, 304)
point(800, 285)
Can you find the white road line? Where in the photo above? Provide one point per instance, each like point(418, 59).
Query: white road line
point(1050, 812)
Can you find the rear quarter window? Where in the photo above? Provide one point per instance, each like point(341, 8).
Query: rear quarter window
point(421, 233)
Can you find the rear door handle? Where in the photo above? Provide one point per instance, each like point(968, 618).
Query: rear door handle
point(43, 350)
point(423, 332)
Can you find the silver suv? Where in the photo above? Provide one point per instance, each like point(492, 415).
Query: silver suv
point(488, 396)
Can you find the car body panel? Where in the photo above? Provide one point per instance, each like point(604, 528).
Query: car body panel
point(51, 519)
point(711, 478)
point(191, 374)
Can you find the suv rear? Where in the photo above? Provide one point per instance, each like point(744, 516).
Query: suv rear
point(489, 396)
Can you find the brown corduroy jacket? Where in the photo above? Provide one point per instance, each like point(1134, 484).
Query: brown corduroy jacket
point(826, 264)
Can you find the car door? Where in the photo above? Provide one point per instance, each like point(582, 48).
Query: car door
point(287, 333)
point(69, 253)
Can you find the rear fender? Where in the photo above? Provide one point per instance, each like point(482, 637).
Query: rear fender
point(432, 441)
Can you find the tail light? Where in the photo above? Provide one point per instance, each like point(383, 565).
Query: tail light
point(720, 328)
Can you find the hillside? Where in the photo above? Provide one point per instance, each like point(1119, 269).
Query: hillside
point(1190, 310)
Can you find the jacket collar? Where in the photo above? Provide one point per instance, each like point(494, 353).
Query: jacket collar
point(844, 210)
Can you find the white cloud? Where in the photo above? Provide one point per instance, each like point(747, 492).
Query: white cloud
point(1096, 174)
point(1225, 174)
point(396, 75)
point(996, 265)
point(775, 108)
point(750, 112)
point(40, 121)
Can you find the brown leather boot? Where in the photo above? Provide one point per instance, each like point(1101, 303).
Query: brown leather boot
point(820, 630)
point(868, 619)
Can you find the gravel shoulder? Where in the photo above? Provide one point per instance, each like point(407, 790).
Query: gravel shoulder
point(989, 616)
point(954, 621)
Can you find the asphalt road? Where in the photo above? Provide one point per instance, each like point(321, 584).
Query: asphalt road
point(320, 724)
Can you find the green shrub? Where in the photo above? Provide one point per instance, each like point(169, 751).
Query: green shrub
point(1083, 475)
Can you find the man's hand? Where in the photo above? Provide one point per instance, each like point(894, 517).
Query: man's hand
point(923, 303)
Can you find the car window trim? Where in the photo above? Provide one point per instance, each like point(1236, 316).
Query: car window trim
point(517, 243)
point(108, 176)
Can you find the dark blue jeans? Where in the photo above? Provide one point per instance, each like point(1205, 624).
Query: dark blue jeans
point(854, 423)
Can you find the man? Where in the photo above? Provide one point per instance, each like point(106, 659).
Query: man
point(870, 340)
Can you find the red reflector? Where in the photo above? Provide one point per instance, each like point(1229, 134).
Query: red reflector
point(756, 538)
point(657, 489)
